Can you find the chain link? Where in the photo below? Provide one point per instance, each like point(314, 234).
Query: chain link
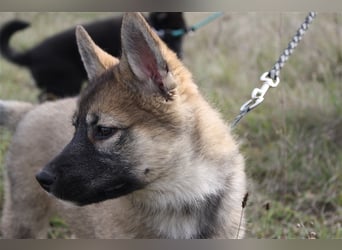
point(274, 72)
point(271, 78)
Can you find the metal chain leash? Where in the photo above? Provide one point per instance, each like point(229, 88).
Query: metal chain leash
point(271, 78)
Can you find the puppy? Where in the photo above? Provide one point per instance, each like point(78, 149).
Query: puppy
point(147, 157)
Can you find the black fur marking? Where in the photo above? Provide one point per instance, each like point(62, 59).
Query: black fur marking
point(85, 175)
point(208, 216)
point(94, 119)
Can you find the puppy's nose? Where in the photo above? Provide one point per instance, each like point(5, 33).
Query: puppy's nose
point(45, 179)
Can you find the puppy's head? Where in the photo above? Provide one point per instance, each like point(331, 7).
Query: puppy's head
point(128, 121)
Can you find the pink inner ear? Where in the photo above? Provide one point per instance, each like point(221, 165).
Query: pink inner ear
point(145, 60)
point(150, 69)
point(149, 65)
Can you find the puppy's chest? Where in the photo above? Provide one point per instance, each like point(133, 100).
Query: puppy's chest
point(170, 226)
point(196, 219)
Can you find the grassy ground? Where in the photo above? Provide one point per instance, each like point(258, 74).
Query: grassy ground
point(292, 142)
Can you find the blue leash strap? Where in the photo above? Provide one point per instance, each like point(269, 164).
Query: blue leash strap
point(196, 26)
point(205, 21)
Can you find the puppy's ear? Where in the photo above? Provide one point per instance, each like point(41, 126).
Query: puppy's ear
point(142, 54)
point(95, 60)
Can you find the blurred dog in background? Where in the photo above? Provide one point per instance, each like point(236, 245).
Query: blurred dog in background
point(55, 63)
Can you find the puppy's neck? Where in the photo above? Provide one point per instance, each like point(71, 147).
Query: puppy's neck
point(192, 219)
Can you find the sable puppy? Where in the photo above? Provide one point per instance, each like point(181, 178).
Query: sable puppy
point(147, 157)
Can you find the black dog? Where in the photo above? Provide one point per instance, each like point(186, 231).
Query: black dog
point(55, 63)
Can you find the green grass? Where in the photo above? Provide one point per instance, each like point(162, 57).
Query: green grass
point(292, 142)
point(5, 138)
point(58, 229)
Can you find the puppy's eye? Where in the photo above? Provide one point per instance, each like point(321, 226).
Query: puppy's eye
point(102, 133)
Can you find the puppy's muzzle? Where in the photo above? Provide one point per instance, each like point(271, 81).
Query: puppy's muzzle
point(45, 179)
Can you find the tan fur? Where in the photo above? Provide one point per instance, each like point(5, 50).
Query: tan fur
point(178, 137)
point(11, 112)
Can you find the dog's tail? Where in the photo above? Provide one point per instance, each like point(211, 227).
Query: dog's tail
point(6, 32)
point(11, 112)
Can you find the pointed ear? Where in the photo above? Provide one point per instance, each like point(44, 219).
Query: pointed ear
point(142, 53)
point(95, 60)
